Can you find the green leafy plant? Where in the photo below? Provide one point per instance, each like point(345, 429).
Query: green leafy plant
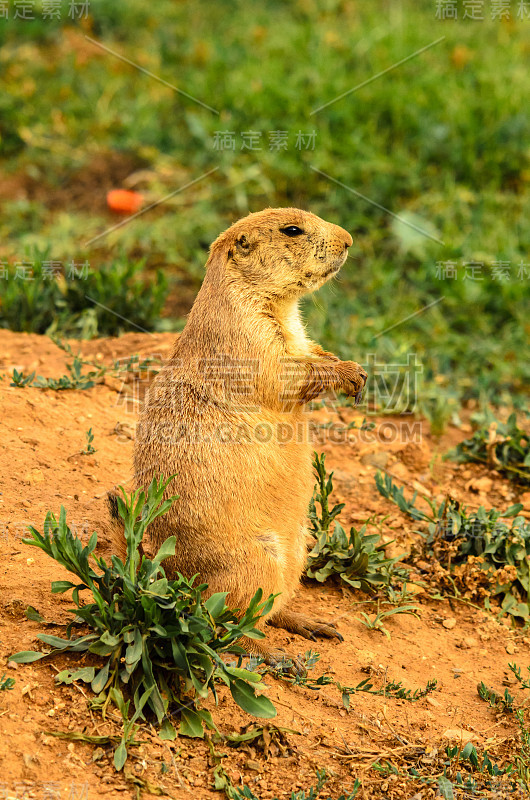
point(507, 703)
point(396, 494)
point(376, 623)
point(522, 757)
point(357, 558)
point(75, 379)
point(89, 449)
point(469, 753)
point(321, 520)
point(391, 688)
point(6, 683)
point(161, 640)
point(484, 551)
point(503, 446)
point(20, 380)
point(487, 557)
point(503, 703)
point(525, 682)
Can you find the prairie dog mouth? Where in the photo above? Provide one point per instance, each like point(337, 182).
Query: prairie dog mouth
point(335, 268)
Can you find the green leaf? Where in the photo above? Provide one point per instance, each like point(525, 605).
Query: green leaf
point(108, 638)
point(100, 680)
point(167, 731)
point(467, 750)
point(120, 756)
point(445, 787)
point(62, 586)
point(26, 656)
point(32, 614)
point(216, 603)
point(512, 511)
point(244, 674)
point(166, 550)
point(249, 701)
point(159, 587)
point(85, 674)
point(190, 724)
point(133, 652)
point(55, 641)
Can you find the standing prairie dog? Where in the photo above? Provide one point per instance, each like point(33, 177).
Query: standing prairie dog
point(226, 413)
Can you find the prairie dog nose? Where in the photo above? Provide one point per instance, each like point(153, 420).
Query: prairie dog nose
point(343, 236)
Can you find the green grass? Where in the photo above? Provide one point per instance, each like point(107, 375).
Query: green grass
point(442, 141)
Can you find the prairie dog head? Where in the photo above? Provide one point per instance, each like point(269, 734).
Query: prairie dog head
point(281, 252)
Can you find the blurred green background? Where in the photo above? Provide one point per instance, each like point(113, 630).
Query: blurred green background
point(442, 141)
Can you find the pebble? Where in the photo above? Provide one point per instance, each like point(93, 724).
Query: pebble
point(481, 485)
point(449, 623)
point(35, 476)
point(399, 470)
point(378, 459)
point(511, 648)
point(365, 658)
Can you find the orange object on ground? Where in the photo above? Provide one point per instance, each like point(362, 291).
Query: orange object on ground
point(124, 202)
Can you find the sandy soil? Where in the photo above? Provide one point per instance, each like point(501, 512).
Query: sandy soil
point(41, 435)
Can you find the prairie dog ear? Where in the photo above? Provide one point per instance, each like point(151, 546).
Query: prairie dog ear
point(243, 245)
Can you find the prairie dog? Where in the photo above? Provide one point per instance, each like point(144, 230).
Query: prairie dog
point(226, 413)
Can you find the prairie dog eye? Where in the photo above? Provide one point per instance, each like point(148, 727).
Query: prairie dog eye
point(292, 230)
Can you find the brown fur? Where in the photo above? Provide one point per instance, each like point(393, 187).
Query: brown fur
point(226, 414)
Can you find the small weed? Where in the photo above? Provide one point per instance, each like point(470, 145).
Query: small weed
point(75, 379)
point(388, 489)
point(469, 753)
point(21, 380)
point(523, 756)
point(321, 523)
point(525, 682)
point(506, 703)
point(459, 772)
point(376, 623)
point(391, 689)
point(475, 552)
point(503, 703)
point(162, 642)
point(89, 447)
point(358, 558)
point(6, 683)
point(439, 407)
point(262, 737)
point(500, 445)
